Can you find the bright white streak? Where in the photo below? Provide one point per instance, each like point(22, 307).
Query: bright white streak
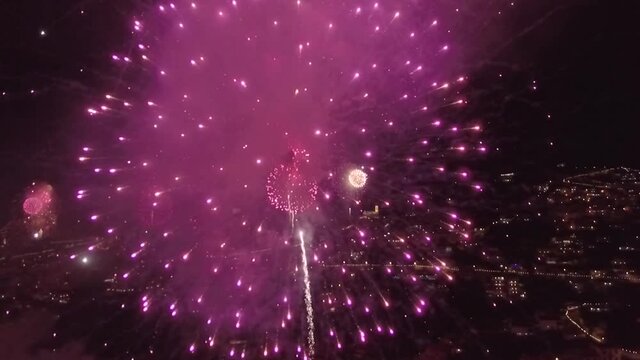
point(307, 296)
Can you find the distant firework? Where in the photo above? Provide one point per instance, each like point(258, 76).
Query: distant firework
point(357, 178)
point(32, 205)
point(38, 200)
point(39, 208)
point(184, 166)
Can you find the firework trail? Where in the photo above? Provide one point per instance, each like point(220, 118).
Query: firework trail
point(307, 296)
point(229, 116)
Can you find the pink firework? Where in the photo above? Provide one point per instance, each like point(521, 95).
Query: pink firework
point(287, 186)
point(210, 96)
point(33, 205)
point(39, 210)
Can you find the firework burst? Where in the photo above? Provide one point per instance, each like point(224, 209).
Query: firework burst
point(357, 178)
point(39, 210)
point(215, 95)
point(287, 186)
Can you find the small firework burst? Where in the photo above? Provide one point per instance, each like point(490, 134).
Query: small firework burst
point(287, 186)
point(357, 178)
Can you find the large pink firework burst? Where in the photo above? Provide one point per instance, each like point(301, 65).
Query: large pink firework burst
point(211, 96)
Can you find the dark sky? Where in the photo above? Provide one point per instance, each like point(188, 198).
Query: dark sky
point(21, 337)
point(584, 59)
point(582, 54)
point(36, 128)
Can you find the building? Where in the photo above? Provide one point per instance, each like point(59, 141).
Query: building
point(506, 288)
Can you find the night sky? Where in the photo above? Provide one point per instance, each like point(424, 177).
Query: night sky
point(553, 82)
point(580, 53)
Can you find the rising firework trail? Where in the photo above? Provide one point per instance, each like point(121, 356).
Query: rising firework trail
point(311, 343)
